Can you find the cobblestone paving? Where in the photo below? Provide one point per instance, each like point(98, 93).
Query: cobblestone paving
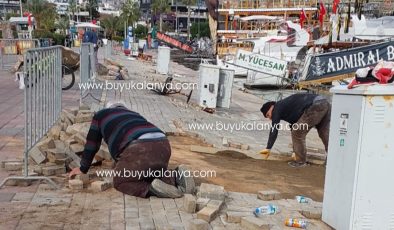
point(38, 207)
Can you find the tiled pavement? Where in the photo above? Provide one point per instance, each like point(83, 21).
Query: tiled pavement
point(36, 207)
point(171, 113)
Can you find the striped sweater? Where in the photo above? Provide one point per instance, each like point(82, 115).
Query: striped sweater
point(118, 127)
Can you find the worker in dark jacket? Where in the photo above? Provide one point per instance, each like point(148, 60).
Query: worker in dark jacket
point(140, 149)
point(303, 112)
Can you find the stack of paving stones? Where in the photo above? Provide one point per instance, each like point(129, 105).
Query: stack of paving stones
point(60, 150)
point(115, 71)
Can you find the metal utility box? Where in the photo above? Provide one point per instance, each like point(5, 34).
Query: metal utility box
point(208, 85)
point(358, 191)
point(226, 78)
point(163, 60)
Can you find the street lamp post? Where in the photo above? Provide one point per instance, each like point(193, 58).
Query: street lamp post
point(20, 7)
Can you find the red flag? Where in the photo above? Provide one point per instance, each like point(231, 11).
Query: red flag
point(302, 17)
point(322, 13)
point(335, 6)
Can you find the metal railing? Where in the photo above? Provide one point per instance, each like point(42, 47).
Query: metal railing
point(88, 59)
point(42, 100)
point(10, 49)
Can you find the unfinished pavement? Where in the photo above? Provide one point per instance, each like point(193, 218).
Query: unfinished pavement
point(174, 115)
point(37, 207)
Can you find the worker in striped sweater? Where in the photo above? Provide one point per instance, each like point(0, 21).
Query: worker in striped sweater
point(141, 152)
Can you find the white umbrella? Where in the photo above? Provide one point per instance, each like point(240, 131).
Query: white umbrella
point(87, 25)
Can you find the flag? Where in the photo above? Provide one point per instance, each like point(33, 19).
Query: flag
point(335, 6)
point(302, 17)
point(322, 12)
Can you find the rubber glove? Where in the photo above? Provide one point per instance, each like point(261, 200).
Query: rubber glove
point(266, 153)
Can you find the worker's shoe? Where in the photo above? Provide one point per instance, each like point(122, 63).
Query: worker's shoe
point(163, 190)
point(184, 179)
point(297, 164)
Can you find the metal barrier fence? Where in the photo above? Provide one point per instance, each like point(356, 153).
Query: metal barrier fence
point(43, 97)
point(87, 68)
point(10, 49)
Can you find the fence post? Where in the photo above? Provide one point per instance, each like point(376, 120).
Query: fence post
point(42, 100)
point(87, 71)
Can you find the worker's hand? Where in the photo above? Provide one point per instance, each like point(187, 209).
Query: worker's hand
point(266, 153)
point(75, 171)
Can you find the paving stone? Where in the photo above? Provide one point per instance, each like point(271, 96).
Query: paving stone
point(59, 179)
point(64, 136)
point(37, 156)
point(211, 191)
point(80, 118)
point(235, 145)
point(79, 139)
point(3, 162)
point(76, 148)
point(235, 217)
point(13, 166)
point(84, 178)
point(23, 197)
point(47, 143)
point(207, 214)
point(198, 224)
point(311, 212)
point(203, 149)
point(6, 197)
point(75, 184)
point(189, 203)
point(217, 204)
point(269, 195)
point(53, 170)
point(201, 203)
point(19, 182)
point(69, 115)
point(253, 223)
point(54, 132)
point(99, 186)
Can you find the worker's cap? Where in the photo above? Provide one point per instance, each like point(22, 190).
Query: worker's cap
point(264, 109)
point(114, 104)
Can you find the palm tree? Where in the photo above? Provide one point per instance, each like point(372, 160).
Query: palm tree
point(160, 7)
point(130, 13)
point(72, 7)
point(110, 24)
point(43, 12)
point(63, 24)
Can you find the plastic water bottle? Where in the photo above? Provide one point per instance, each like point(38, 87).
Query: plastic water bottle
point(296, 223)
point(269, 209)
point(302, 199)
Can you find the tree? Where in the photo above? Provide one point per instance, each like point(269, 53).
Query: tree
point(130, 13)
point(92, 7)
point(110, 25)
point(141, 31)
point(72, 8)
point(200, 29)
point(43, 12)
point(160, 7)
point(63, 24)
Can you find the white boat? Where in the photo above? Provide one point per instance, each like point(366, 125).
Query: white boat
point(279, 44)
